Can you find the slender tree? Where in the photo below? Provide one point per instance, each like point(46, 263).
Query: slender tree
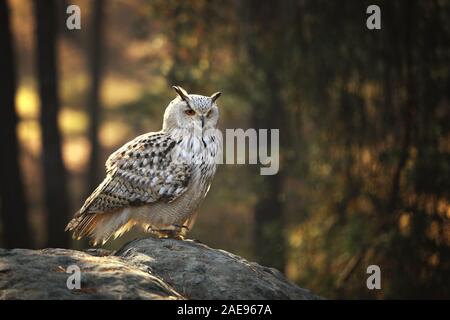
point(16, 231)
point(54, 172)
point(94, 105)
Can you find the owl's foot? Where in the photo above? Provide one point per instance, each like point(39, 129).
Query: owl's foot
point(174, 232)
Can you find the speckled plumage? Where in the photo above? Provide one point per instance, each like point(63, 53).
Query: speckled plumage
point(158, 180)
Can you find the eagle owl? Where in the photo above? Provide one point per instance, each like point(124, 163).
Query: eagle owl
point(158, 180)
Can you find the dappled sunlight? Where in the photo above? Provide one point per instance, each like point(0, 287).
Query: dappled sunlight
point(76, 84)
point(27, 103)
point(29, 133)
point(117, 91)
point(404, 223)
point(137, 50)
point(114, 133)
point(76, 154)
point(73, 122)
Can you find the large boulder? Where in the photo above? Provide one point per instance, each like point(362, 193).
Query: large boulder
point(143, 269)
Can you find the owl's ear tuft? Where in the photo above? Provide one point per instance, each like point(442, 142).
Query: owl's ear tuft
point(215, 96)
point(181, 92)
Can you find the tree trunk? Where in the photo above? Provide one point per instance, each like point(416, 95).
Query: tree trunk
point(16, 231)
point(268, 238)
point(95, 65)
point(269, 242)
point(54, 173)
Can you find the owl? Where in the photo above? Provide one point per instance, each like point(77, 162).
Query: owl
point(158, 180)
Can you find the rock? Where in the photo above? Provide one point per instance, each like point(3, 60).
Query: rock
point(143, 269)
point(30, 274)
point(199, 272)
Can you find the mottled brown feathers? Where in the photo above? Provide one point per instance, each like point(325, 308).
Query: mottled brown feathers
point(158, 179)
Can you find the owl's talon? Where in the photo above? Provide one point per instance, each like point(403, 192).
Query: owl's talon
point(181, 227)
point(173, 231)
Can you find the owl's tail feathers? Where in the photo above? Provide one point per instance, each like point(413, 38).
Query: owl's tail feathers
point(99, 226)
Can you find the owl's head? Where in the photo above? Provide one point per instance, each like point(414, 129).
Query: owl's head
point(191, 111)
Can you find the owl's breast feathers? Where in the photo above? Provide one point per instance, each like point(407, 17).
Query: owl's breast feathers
point(153, 168)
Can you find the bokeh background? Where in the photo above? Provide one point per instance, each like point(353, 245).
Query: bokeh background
point(363, 117)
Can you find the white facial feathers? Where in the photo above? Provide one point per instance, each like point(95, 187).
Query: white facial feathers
point(191, 111)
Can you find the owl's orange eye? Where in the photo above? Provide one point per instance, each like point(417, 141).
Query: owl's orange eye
point(190, 112)
point(209, 113)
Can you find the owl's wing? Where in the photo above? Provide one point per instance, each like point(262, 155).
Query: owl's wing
point(141, 172)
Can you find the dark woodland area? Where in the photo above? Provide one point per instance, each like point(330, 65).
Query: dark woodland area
point(364, 121)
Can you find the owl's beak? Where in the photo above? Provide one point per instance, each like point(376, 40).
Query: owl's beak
point(202, 119)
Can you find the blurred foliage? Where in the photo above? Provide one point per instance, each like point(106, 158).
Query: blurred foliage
point(365, 142)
